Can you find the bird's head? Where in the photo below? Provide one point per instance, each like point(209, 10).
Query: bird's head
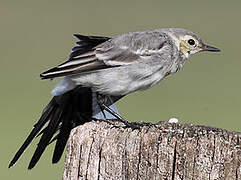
point(188, 42)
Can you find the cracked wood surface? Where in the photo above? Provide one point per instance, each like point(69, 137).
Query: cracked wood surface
point(165, 151)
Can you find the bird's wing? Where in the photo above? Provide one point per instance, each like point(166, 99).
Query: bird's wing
point(85, 44)
point(63, 113)
point(130, 48)
point(81, 58)
point(108, 53)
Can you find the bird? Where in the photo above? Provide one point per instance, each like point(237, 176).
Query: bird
point(100, 71)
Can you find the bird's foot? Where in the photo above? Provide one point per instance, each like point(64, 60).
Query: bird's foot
point(137, 125)
point(132, 125)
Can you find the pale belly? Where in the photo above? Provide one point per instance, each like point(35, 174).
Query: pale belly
point(119, 81)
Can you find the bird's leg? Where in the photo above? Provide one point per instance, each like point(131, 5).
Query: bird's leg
point(101, 108)
point(102, 100)
point(102, 103)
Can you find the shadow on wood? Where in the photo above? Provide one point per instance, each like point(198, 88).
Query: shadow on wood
point(161, 151)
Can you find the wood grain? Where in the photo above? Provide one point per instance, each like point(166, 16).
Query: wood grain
point(166, 151)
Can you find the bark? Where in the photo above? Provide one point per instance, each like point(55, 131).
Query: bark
point(162, 151)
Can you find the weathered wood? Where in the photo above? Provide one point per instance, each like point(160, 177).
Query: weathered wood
point(162, 151)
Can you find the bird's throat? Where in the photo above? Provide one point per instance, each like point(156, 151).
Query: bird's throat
point(184, 49)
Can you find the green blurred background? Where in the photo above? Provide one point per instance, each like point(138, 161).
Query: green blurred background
point(36, 35)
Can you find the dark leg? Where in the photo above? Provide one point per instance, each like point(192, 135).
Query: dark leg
point(102, 101)
point(101, 108)
point(109, 110)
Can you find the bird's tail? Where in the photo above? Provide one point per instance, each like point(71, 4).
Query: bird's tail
point(62, 114)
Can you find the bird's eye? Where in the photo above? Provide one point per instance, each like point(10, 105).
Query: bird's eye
point(191, 42)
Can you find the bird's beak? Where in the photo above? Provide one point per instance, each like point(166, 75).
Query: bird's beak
point(209, 48)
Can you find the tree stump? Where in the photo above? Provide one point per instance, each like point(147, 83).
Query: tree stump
point(163, 151)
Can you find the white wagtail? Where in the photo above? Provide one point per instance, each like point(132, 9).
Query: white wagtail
point(101, 70)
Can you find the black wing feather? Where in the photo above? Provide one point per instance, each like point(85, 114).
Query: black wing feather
point(63, 114)
point(63, 136)
point(83, 54)
point(85, 44)
point(46, 137)
point(37, 128)
point(66, 111)
point(78, 113)
point(75, 69)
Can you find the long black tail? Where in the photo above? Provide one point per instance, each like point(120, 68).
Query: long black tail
point(63, 113)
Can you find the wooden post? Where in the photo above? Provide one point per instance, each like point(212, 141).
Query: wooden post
point(163, 151)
